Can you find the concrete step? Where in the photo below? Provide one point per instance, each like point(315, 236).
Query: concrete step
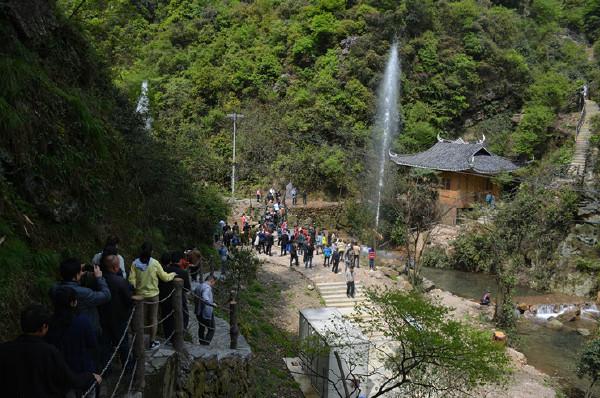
point(349, 304)
point(339, 288)
point(336, 287)
point(328, 284)
point(339, 295)
point(345, 299)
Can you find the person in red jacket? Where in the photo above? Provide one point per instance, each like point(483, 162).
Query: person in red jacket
point(371, 259)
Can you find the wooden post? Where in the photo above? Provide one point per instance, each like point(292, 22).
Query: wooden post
point(233, 327)
point(178, 314)
point(138, 348)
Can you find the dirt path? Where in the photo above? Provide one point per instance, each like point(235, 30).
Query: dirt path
point(525, 382)
point(269, 320)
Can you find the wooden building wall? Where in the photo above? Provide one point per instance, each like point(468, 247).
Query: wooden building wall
point(460, 191)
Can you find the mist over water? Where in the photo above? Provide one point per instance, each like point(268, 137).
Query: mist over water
point(387, 119)
point(143, 106)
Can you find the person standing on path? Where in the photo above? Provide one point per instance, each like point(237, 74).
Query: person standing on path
point(293, 254)
point(304, 196)
point(348, 257)
point(88, 300)
point(111, 242)
point(356, 252)
point(335, 258)
point(269, 239)
point(294, 196)
point(301, 239)
point(308, 255)
point(115, 313)
point(326, 256)
point(144, 275)
point(30, 367)
point(258, 196)
point(285, 238)
point(205, 305)
point(72, 333)
point(350, 282)
point(372, 259)
point(170, 263)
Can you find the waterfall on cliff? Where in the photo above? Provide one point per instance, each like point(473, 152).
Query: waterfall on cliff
point(143, 106)
point(387, 119)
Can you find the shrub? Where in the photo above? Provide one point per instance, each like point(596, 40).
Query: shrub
point(435, 257)
point(472, 252)
point(587, 265)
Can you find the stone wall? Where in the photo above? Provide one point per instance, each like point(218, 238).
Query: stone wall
point(205, 371)
point(216, 375)
point(331, 217)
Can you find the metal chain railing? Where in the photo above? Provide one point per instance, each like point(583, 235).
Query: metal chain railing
point(160, 301)
point(160, 321)
point(132, 377)
point(125, 363)
point(112, 357)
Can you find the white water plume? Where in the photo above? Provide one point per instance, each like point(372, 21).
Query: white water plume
point(387, 120)
point(143, 106)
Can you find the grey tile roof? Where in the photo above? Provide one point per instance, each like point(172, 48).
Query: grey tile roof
point(456, 155)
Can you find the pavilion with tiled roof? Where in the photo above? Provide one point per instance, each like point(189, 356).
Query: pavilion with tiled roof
point(466, 168)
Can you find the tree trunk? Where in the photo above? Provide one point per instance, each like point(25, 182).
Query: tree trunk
point(588, 393)
point(342, 375)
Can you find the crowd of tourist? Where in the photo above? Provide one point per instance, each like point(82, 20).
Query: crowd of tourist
point(306, 242)
point(272, 229)
point(65, 353)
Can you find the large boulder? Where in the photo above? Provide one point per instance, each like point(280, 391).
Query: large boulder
point(554, 324)
point(428, 285)
point(584, 332)
point(569, 315)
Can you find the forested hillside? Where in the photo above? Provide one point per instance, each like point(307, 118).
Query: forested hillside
point(75, 164)
point(305, 74)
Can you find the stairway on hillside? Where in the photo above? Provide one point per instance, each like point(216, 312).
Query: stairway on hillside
point(334, 295)
point(577, 167)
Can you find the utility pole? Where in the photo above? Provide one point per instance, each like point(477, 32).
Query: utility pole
point(235, 117)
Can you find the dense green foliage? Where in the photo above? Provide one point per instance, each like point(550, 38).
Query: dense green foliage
point(473, 252)
point(305, 74)
point(75, 164)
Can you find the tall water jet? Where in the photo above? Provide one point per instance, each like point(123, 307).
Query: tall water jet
point(387, 120)
point(143, 106)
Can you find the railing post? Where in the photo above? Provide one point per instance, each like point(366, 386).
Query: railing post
point(138, 348)
point(178, 314)
point(233, 327)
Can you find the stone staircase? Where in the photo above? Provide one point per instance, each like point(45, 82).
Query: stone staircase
point(334, 295)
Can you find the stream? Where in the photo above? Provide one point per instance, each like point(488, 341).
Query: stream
point(554, 352)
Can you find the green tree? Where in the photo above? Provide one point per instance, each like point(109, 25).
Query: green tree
point(435, 354)
point(533, 130)
point(412, 204)
point(526, 231)
point(589, 365)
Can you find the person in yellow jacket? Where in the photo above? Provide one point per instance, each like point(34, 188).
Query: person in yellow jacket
point(144, 275)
